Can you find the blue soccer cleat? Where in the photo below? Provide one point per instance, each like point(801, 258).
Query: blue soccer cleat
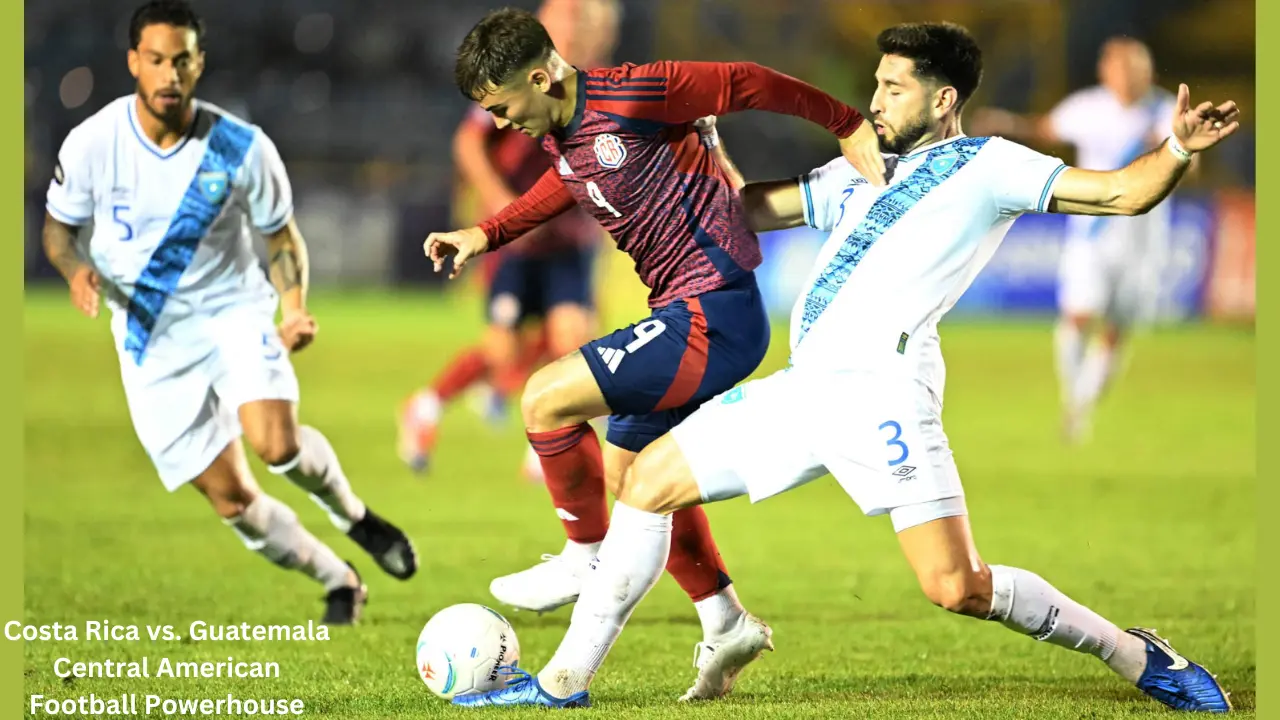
point(522, 690)
point(495, 411)
point(1176, 681)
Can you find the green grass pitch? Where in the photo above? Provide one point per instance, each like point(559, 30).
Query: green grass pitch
point(1154, 523)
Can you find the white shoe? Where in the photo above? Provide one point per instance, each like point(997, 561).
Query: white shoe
point(721, 660)
point(1076, 427)
point(416, 430)
point(553, 583)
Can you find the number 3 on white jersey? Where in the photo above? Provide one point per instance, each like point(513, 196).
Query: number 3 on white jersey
point(594, 191)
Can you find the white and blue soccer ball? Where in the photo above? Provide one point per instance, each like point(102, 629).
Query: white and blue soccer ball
point(462, 649)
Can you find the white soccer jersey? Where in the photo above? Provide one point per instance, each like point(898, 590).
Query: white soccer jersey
point(899, 257)
point(1109, 136)
point(171, 227)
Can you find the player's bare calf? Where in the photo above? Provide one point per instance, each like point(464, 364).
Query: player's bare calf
point(272, 529)
point(303, 455)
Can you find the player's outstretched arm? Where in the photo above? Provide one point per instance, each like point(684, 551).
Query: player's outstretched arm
point(59, 246)
point(544, 201)
point(1142, 184)
point(711, 140)
point(290, 271)
point(771, 205)
point(682, 92)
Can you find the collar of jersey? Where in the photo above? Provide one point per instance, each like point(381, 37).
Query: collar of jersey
point(580, 107)
point(150, 146)
point(922, 150)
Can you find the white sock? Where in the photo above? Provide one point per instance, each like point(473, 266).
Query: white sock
point(425, 406)
point(1095, 373)
point(316, 469)
point(577, 552)
point(719, 613)
point(631, 560)
point(1024, 602)
point(270, 528)
point(1068, 347)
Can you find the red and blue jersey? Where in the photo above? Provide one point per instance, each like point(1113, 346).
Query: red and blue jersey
point(632, 158)
point(521, 162)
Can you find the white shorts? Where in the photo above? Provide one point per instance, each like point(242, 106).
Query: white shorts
point(881, 438)
point(1113, 271)
point(185, 396)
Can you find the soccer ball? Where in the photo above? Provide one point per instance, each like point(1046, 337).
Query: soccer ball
point(461, 648)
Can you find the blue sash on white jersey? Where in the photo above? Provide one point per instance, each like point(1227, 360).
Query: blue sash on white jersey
point(1153, 105)
point(205, 197)
point(941, 163)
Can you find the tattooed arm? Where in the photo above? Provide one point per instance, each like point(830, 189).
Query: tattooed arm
point(59, 246)
point(290, 274)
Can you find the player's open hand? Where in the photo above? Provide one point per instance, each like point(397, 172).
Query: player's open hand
point(461, 244)
point(298, 329)
point(85, 285)
point(862, 150)
point(1205, 125)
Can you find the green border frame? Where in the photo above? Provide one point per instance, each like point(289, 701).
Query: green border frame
point(1268, 392)
point(11, 373)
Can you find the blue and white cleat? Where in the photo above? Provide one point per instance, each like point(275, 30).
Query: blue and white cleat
point(1176, 681)
point(522, 690)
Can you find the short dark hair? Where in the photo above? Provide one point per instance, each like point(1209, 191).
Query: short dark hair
point(502, 43)
point(942, 51)
point(177, 13)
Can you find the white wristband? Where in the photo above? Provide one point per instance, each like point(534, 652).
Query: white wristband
point(710, 139)
point(1176, 148)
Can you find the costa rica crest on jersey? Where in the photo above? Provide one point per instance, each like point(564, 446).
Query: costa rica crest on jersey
point(610, 151)
point(213, 186)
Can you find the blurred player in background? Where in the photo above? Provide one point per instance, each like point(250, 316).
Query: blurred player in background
point(545, 275)
point(862, 397)
point(623, 146)
point(1110, 272)
point(171, 186)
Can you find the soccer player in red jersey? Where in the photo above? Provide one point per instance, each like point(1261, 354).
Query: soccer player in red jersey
point(545, 275)
point(624, 147)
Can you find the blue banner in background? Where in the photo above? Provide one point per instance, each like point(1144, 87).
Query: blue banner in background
point(1022, 277)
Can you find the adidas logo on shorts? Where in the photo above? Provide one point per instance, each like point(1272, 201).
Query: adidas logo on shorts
point(612, 358)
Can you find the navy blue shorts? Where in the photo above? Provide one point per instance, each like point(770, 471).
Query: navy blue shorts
point(655, 373)
point(529, 286)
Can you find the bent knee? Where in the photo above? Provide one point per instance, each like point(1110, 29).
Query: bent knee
point(659, 481)
point(641, 490)
point(616, 463)
point(961, 591)
point(227, 497)
point(278, 447)
point(540, 405)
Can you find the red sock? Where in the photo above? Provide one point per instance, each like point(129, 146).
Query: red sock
point(509, 381)
point(466, 368)
point(574, 471)
point(532, 353)
point(695, 562)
